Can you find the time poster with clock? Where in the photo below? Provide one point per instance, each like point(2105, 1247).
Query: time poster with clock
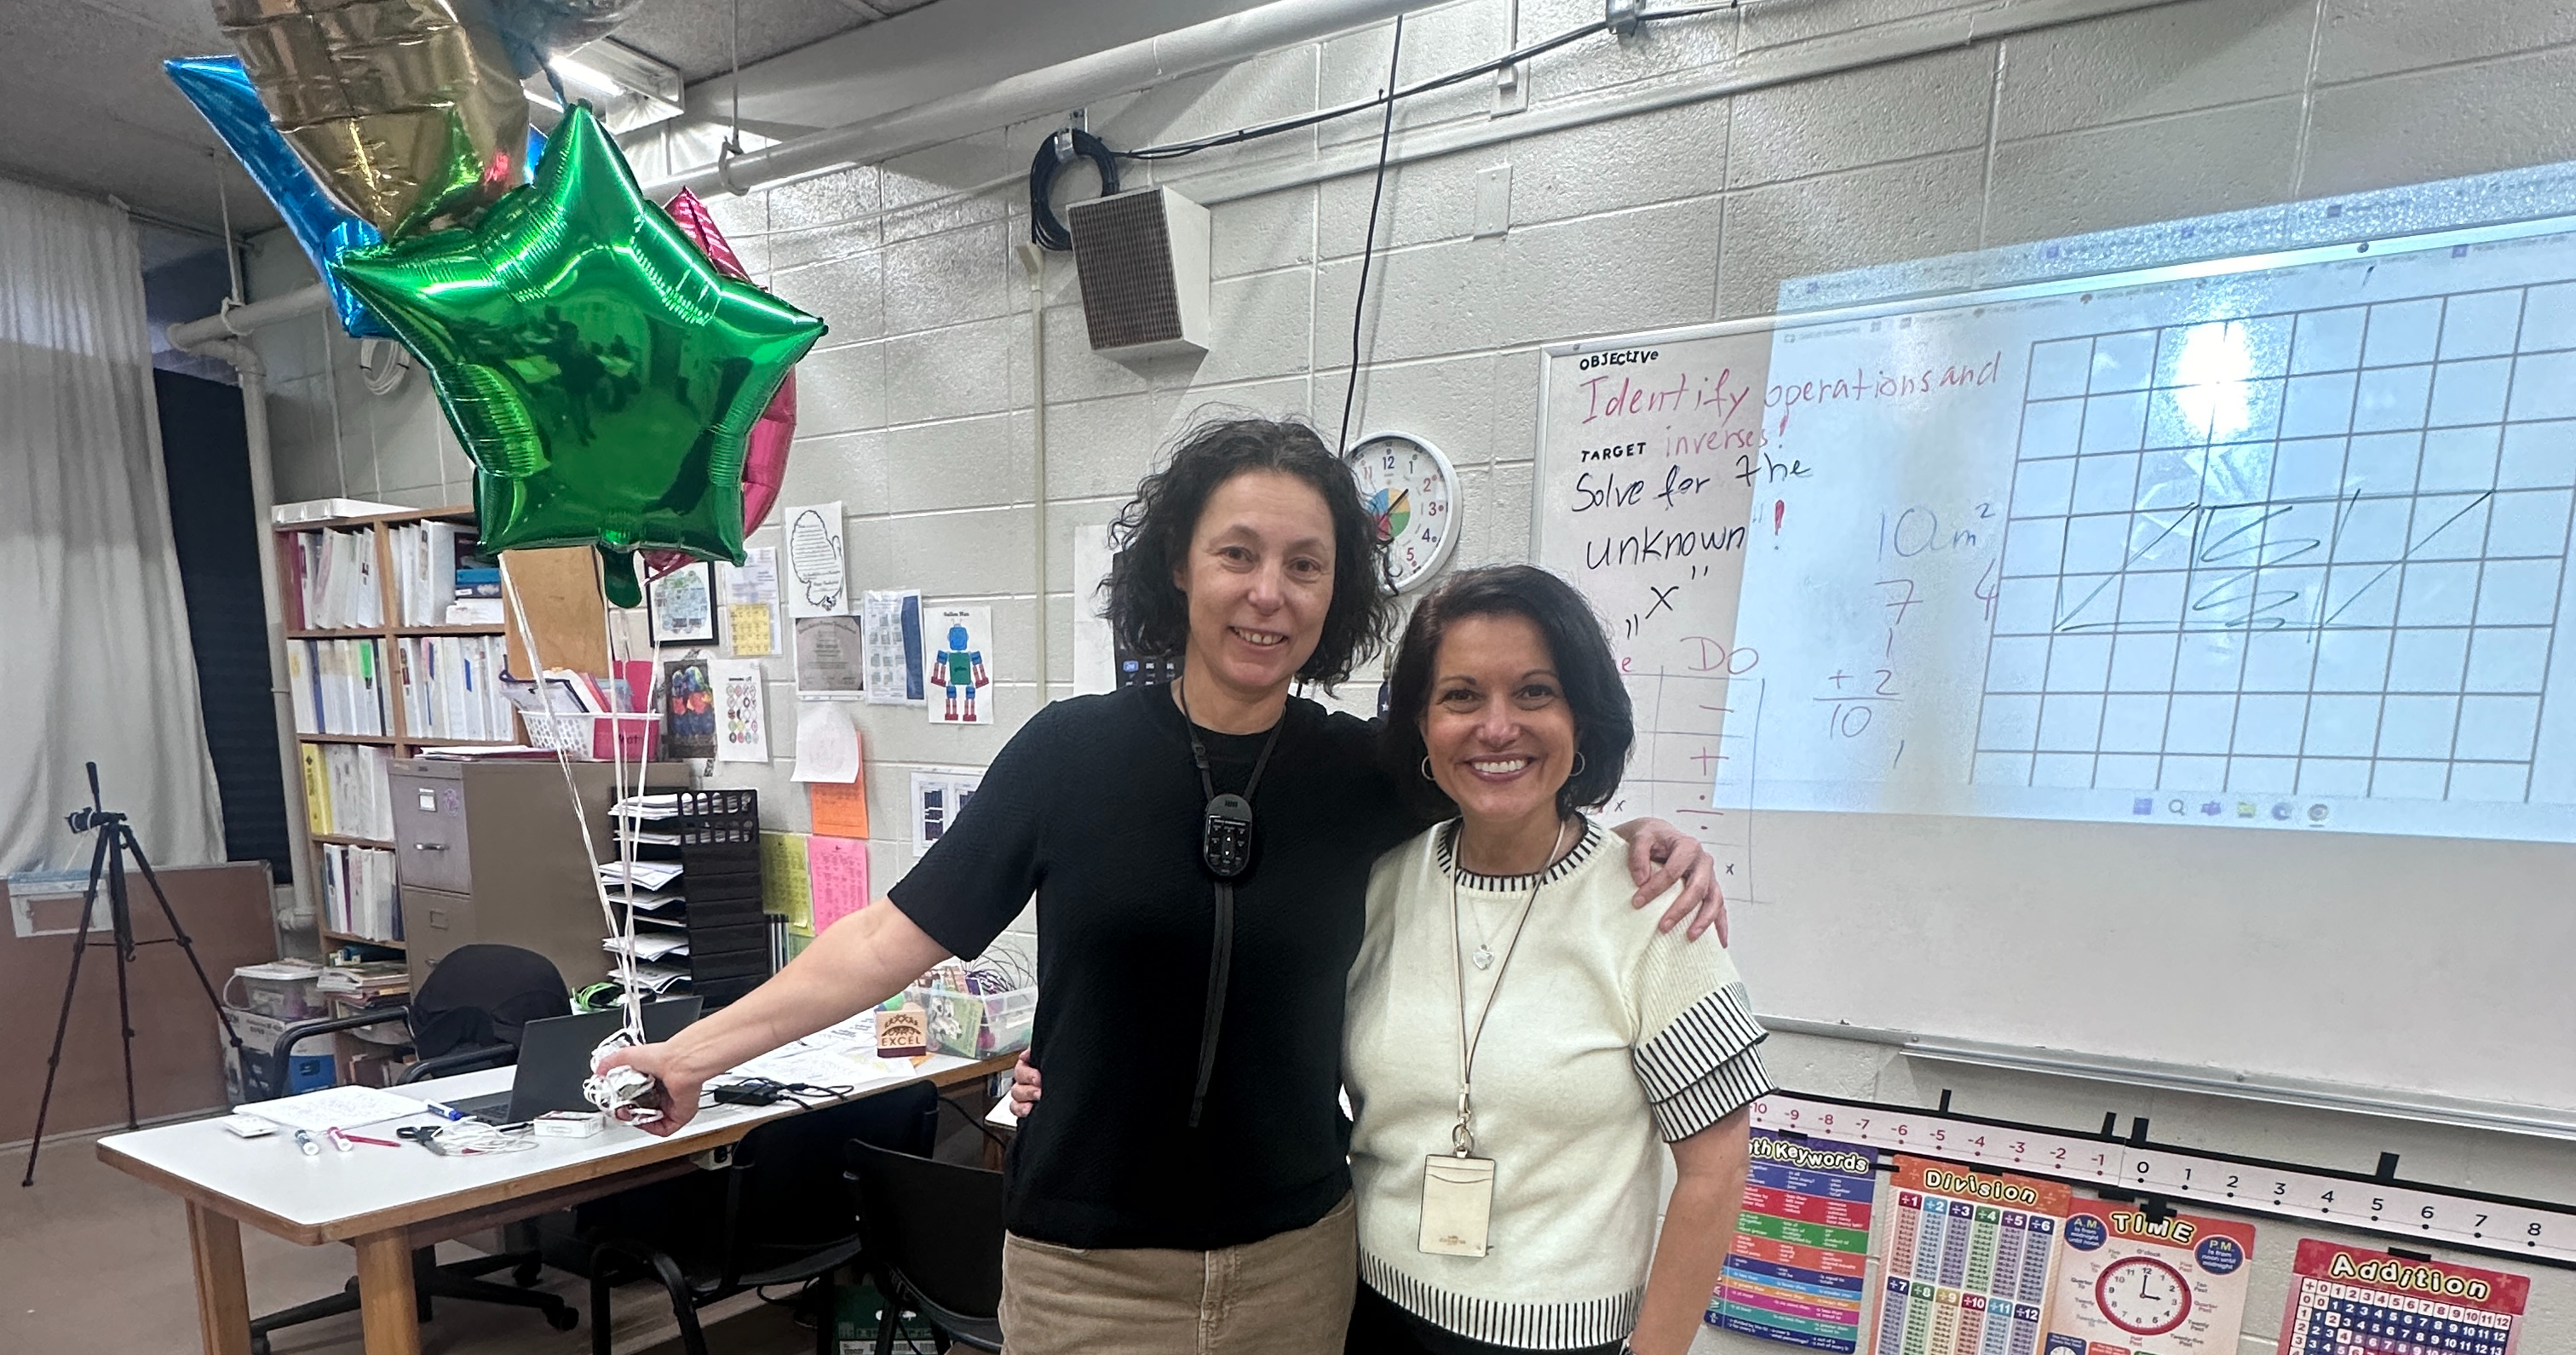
point(2135, 1283)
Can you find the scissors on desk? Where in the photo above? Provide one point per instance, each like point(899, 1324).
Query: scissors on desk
point(426, 1135)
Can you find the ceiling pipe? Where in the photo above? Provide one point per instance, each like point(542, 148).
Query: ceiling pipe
point(1036, 94)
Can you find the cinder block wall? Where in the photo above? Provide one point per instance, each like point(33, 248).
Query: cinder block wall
point(917, 412)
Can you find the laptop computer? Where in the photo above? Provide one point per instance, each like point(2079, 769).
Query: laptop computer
point(554, 1060)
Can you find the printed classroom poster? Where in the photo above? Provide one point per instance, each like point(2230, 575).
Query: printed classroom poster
point(2137, 1284)
point(892, 621)
point(818, 581)
point(937, 798)
point(1971, 1261)
point(684, 605)
point(1799, 1269)
point(751, 625)
point(688, 709)
point(959, 641)
point(2354, 1301)
point(742, 712)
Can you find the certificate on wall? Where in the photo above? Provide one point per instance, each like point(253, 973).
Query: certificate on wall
point(1971, 1261)
point(2145, 1284)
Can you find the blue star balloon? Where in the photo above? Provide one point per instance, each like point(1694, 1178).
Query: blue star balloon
point(219, 89)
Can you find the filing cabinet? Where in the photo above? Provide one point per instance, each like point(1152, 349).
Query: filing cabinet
point(493, 851)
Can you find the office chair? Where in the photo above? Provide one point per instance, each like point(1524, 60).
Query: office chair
point(776, 1215)
point(934, 1234)
point(467, 1015)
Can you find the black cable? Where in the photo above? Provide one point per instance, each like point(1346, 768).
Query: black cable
point(1058, 151)
point(1368, 242)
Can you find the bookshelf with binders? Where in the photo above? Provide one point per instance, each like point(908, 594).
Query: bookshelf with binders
point(698, 924)
point(395, 645)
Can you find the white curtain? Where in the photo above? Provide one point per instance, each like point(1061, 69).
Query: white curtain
point(94, 657)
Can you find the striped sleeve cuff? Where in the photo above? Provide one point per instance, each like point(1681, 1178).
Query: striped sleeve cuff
point(1703, 1038)
point(1726, 1089)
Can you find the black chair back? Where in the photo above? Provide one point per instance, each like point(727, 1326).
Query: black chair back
point(482, 994)
point(787, 1172)
point(936, 1226)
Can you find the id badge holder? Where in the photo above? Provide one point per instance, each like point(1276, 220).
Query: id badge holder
point(1457, 1204)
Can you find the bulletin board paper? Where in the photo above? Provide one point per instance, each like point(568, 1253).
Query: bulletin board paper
point(753, 626)
point(838, 810)
point(838, 867)
point(785, 887)
point(1971, 1261)
point(1798, 1271)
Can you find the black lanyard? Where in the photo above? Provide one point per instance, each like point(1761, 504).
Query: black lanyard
point(1225, 850)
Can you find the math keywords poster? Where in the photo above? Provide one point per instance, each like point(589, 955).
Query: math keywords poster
point(1798, 1272)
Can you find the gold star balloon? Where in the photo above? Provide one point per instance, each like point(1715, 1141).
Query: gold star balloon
point(604, 377)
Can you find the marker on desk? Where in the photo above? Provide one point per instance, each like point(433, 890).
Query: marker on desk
point(339, 1140)
point(443, 1110)
point(304, 1144)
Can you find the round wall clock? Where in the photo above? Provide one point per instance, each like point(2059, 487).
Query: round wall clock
point(1412, 490)
point(2143, 1296)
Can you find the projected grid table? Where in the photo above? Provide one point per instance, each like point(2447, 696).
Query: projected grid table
point(2316, 553)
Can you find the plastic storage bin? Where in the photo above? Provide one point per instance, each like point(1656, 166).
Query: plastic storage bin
point(284, 990)
point(311, 1068)
point(976, 1025)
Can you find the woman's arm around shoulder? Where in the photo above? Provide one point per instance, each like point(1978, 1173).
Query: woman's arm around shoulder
point(1699, 1223)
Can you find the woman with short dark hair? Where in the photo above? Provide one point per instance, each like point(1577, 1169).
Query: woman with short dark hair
point(1201, 852)
point(1515, 1050)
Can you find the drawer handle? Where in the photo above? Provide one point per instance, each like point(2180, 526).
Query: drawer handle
point(438, 917)
point(429, 846)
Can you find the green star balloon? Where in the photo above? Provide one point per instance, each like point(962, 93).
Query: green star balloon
point(601, 373)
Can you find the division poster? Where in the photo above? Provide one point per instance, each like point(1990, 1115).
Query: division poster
point(1798, 1271)
point(1971, 1260)
point(2355, 1301)
point(2133, 1283)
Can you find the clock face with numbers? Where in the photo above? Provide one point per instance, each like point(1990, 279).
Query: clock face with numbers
point(1412, 491)
point(2143, 1296)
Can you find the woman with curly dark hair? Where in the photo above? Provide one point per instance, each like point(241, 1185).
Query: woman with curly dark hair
point(1201, 852)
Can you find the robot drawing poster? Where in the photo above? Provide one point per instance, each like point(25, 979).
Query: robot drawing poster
point(958, 679)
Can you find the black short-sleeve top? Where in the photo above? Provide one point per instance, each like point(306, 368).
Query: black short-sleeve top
point(1095, 806)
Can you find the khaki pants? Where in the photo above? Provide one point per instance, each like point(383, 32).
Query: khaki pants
point(1284, 1295)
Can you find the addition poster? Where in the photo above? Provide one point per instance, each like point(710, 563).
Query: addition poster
point(2355, 1301)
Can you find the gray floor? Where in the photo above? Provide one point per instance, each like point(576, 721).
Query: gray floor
point(93, 1260)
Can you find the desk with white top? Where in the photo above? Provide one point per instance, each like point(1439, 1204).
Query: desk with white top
point(384, 1202)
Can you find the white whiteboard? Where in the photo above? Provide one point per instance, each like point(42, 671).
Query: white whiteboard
point(2162, 665)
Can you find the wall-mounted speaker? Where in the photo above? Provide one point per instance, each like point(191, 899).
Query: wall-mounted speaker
point(1142, 258)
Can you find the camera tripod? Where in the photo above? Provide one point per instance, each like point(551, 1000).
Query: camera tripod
point(107, 865)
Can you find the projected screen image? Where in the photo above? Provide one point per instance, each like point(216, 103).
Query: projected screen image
point(2274, 544)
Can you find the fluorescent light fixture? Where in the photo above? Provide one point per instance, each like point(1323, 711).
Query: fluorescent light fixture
point(587, 77)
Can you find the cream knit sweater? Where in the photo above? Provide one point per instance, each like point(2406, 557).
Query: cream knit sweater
point(1607, 1040)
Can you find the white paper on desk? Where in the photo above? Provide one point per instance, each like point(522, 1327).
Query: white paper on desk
point(1001, 1115)
point(333, 1108)
point(649, 946)
point(755, 580)
point(827, 744)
